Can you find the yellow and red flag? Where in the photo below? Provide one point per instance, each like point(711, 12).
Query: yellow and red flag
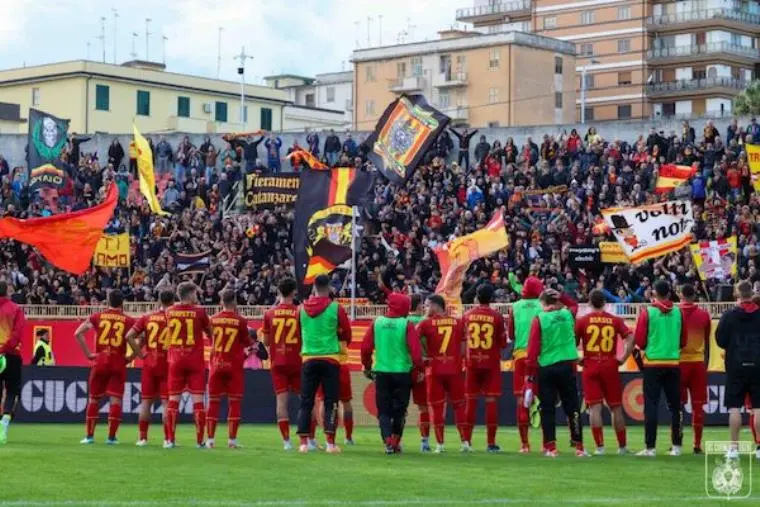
point(456, 256)
point(301, 155)
point(600, 227)
point(672, 176)
point(68, 240)
point(753, 157)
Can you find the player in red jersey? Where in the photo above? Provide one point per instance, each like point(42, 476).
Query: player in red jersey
point(155, 369)
point(229, 332)
point(693, 361)
point(486, 336)
point(443, 343)
point(282, 334)
point(186, 324)
point(597, 332)
point(109, 370)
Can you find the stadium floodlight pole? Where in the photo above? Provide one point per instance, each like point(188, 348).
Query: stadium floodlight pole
point(147, 39)
point(354, 213)
point(115, 31)
point(103, 36)
point(219, 54)
point(241, 71)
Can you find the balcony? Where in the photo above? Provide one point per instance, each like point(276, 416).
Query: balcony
point(692, 87)
point(407, 84)
point(451, 80)
point(496, 12)
point(705, 18)
point(458, 114)
point(697, 52)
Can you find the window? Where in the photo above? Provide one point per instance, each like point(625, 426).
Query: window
point(558, 65)
point(557, 100)
point(444, 100)
point(624, 45)
point(143, 103)
point(624, 78)
point(587, 17)
point(624, 13)
point(589, 113)
point(220, 112)
point(417, 66)
point(493, 95)
point(550, 22)
point(624, 112)
point(401, 69)
point(102, 97)
point(183, 107)
point(494, 59)
point(589, 81)
point(309, 100)
point(586, 50)
point(35, 97)
point(369, 107)
point(266, 119)
point(245, 114)
point(330, 94)
point(370, 73)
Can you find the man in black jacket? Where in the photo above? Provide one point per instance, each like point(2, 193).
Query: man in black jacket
point(738, 334)
point(464, 146)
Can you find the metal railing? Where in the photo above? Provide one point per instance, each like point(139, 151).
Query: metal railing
point(71, 312)
point(705, 15)
point(407, 83)
point(496, 8)
point(452, 78)
point(686, 85)
point(703, 49)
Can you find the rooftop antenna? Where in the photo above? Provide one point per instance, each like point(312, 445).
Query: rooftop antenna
point(88, 50)
point(410, 28)
point(102, 36)
point(133, 54)
point(356, 24)
point(242, 57)
point(219, 54)
point(369, 27)
point(379, 29)
point(115, 32)
point(147, 39)
point(164, 38)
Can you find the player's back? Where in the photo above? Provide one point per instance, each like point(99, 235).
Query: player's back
point(698, 326)
point(185, 327)
point(485, 335)
point(229, 332)
point(443, 342)
point(283, 328)
point(598, 332)
point(111, 328)
point(155, 345)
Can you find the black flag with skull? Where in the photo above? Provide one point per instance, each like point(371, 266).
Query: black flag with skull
point(48, 136)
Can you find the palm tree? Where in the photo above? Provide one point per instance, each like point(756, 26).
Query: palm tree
point(748, 101)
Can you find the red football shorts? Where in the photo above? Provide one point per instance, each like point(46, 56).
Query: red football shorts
point(419, 390)
point(518, 376)
point(186, 376)
point(440, 387)
point(482, 381)
point(107, 382)
point(230, 382)
point(694, 382)
point(286, 379)
point(153, 383)
point(346, 393)
point(601, 382)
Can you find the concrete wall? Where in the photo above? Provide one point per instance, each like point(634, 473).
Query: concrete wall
point(12, 146)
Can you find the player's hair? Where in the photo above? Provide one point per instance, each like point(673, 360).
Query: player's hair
point(415, 300)
point(287, 287)
point(549, 297)
point(322, 283)
point(744, 290)
point(115, 298)
point(688, 293)
point(166, 297)
point(185, 290)
point(485, 294)
point(3, 289)
point(228, 297)
point(662, 289)
point(437, 300)
point(596, 298)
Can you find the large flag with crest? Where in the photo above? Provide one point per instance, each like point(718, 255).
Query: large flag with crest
point(406, 130)
point(47, 137)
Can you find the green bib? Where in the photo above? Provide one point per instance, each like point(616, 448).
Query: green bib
point(557, 337)
point(391, 351)
point(47, 359)
point(415, 319)
point(319, 335)
point(524, 311)
point(664, 335)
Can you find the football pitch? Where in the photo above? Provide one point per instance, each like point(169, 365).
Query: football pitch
point(45, 465)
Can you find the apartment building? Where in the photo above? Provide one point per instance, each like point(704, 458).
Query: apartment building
point(322, 101)
point(481, 80)
point(642, 58)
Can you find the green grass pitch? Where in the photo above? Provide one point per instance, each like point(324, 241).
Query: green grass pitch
point(45, 465)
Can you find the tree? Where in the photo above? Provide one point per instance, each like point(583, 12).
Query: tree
point(748, 101)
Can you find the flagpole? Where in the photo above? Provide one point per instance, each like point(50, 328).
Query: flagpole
point(354, 211)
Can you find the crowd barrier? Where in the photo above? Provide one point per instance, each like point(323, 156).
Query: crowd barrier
point(59, 395)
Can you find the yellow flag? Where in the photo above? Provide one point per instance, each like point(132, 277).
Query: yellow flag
point(753, 157)
point(145, 170)
point(112, 251)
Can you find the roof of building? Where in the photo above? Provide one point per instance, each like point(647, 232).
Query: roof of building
point(335, 77)
point(307, 80)
point(463, 43)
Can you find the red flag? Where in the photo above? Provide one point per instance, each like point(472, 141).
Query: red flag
point(301, 155)
point(671, 176)
point(600, 227)
point(67, 240)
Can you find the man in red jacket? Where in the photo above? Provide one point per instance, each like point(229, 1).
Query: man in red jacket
point(11, 326)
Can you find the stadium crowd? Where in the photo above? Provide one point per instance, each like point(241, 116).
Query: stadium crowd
point(453, 193)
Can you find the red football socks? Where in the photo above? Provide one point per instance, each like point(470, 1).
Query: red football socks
point(233, 418)
point(697, 423)
point(438, 422)
point(460, 419)
point(752, 427)
point(143, 428)
point(622, 438)
point(330, 437)
point(284, 425)
point(199, 415)
point(171, 419)
point(114, 419)
point(348, 423)
point(91, 418)
point(212, 417)
point(313, 429)
point(598, 433)
point(523, 418)
point(470, 410)
point(165, 424)
point(492, 422)
point(424, 423)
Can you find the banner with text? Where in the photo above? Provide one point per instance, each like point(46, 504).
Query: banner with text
point(612, 253)
point(584, 257)
point(112, 251)
point(715, 259)
point(270, 190)
point(753, 157)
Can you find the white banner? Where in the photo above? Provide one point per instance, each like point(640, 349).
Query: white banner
point(647, 232)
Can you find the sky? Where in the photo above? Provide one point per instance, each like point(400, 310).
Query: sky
point(303, 37)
